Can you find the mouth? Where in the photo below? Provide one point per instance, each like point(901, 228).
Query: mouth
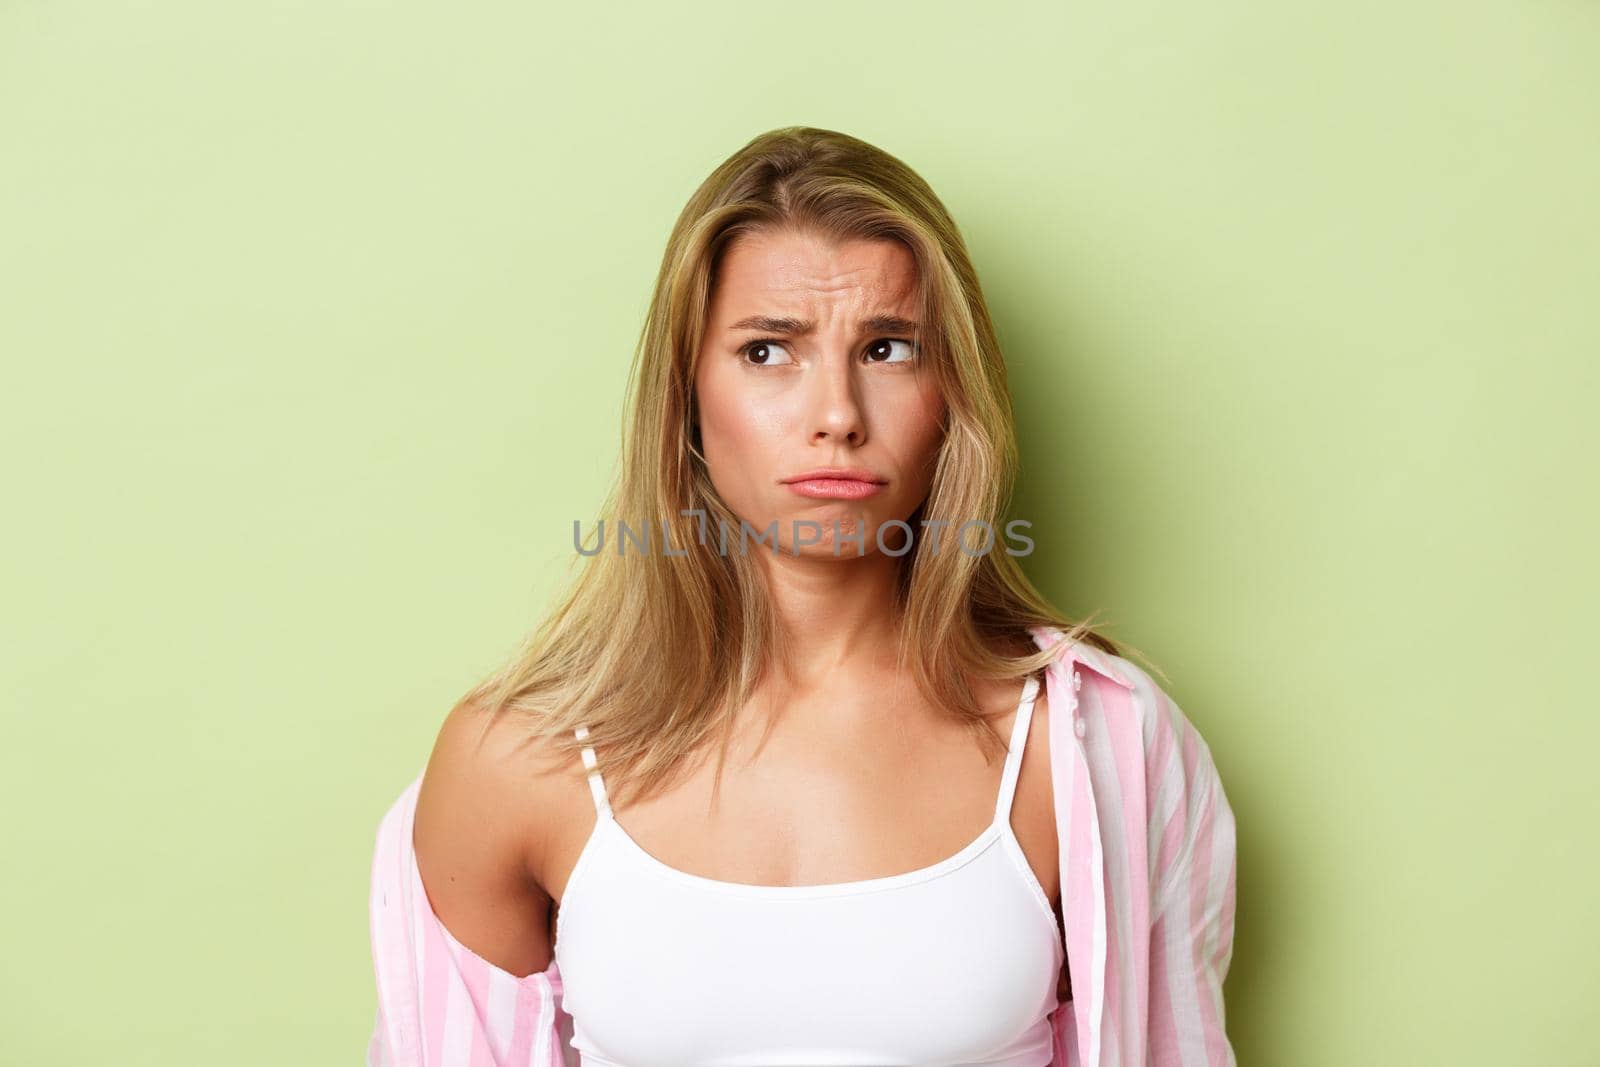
point(835, 484)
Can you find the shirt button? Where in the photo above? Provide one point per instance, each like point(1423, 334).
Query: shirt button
point(1077, 681)
point(1079, 727)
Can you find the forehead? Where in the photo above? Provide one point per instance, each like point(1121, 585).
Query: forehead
point(793, 268)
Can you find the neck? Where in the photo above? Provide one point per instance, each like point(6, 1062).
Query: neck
point(834, 614)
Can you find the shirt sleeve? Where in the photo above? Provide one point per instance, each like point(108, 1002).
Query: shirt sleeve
point(379, 1053)
point(1192, 909)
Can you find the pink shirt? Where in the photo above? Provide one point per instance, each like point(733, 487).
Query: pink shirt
point(1146, 848)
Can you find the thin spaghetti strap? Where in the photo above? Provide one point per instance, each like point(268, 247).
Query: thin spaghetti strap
point(1019, 737)
point(597, 786)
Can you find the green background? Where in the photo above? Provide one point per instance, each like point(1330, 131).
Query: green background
point(316, 323)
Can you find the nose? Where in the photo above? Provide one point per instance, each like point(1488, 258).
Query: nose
point(837, 414)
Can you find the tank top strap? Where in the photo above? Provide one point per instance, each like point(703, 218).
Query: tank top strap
point(597, 785)
point(1019, 738)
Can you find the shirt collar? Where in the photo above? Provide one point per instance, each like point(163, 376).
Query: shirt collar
point(1091, 656)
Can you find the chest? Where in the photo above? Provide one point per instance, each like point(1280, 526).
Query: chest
point(818, 812)
point(956, 962)
point(762, 890)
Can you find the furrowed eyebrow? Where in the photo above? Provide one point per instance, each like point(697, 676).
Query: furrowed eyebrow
point(797, 327)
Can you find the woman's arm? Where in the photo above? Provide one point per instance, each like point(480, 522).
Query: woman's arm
point(440, 1001)
point(478, 827)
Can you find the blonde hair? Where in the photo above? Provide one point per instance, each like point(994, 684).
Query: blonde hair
point(655, 653)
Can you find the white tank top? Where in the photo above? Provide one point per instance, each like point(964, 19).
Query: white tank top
point(951, 964)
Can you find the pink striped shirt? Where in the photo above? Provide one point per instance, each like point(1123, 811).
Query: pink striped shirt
point(1146, 847)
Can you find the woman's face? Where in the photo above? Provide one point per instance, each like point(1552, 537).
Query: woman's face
point(809, 365)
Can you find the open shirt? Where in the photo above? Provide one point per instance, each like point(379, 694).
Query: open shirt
point(1146, 849)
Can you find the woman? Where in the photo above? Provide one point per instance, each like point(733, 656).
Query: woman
point(942, 824)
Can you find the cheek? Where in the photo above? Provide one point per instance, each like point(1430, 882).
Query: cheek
point(712, 402)
point(733, 415)
point(920, 430)
point(737, 426)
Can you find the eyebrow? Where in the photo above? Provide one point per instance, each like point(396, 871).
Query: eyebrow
point(797, 327)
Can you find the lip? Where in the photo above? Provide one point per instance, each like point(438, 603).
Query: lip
point(835, 488)
point(848, 474)
point(836, 483)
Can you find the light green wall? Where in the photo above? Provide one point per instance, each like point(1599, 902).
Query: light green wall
point(316, 321)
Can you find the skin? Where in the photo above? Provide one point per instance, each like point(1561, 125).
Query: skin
point(779, 402)
point(860, 777)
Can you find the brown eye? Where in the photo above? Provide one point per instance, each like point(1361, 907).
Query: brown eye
point(765, 353)
point(885, 350)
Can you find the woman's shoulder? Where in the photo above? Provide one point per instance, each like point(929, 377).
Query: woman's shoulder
point(1149, 756)
point(490, 791)
point(1127, 696)
point(491, 799)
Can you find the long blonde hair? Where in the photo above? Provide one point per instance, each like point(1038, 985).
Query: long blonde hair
point(655, 652)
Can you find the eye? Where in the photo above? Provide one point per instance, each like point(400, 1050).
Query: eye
point(883, 350)
point(765, 353)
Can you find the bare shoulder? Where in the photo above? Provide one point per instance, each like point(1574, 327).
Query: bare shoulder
point(478, 790)
point(483, 815)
